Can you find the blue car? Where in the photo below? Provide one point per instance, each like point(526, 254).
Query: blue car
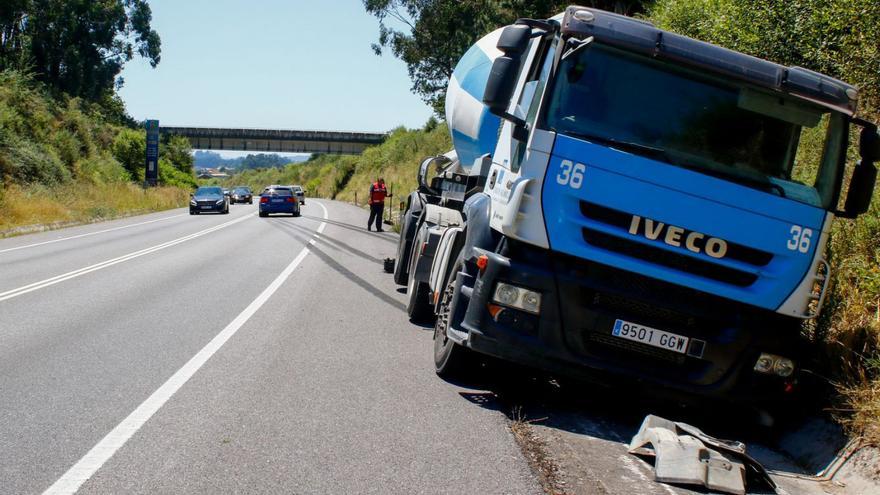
point(278, 199)
point(208, 199)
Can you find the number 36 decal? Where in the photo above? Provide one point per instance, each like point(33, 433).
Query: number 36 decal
point(571, 174)
point(800, 238)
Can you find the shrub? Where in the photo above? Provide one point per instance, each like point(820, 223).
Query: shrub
point(130, 149)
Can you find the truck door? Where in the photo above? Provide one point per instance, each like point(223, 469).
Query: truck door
point(518, 166)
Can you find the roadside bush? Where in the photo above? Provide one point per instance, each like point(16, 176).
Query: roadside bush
point(26, 162)
point(169, 175)
point(129, 148)
point(103, 168)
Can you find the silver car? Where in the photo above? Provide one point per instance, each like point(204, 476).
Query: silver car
point(300, 193)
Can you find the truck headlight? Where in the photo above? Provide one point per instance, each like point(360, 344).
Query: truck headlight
point(764, 364)
point(784, 367)
point(771, 364)
point(517, 297)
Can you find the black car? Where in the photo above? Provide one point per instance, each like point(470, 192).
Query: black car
point(241, 194)
point(208, 198)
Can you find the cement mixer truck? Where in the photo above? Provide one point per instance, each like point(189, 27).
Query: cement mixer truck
point(625, 203)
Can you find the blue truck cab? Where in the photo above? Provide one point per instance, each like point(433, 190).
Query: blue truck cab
point(657, 208)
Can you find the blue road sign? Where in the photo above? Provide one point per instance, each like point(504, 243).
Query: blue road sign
point(151, 177)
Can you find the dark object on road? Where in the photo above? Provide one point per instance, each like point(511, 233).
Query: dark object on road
point(207, 199)
point(389, 265)
point(300, 193)
point(378, 193)
point(241, 195)
point(278, 199)
point(683, 454)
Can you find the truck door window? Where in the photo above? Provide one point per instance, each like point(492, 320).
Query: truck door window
point(530, 97)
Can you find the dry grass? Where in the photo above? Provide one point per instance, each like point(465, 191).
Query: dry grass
point(81, 203)
point(535, 450)
point(850, 324)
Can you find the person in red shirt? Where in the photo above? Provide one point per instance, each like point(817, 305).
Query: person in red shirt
point(378, 193)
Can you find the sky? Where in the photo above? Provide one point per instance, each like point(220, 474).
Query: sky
point(278, 64)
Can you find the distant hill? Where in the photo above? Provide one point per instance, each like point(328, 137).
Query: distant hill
point(209, 159)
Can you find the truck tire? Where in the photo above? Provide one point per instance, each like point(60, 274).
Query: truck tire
point(451, 360)
point(408, 227)
point(417, 307)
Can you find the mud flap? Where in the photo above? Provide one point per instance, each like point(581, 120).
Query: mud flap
point(685, 455)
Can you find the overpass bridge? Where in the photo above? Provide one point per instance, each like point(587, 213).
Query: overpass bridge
point(276, 140)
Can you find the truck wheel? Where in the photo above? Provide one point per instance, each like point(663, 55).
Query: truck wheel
point(450, 359)
point(401, 272)
point(408, 228)
point(417, 308)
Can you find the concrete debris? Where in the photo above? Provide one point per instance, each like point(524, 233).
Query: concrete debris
point(685, 455)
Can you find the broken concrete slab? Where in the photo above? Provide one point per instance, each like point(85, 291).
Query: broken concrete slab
point(683, 454)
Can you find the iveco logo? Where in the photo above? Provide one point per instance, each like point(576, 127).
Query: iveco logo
point(678, 237)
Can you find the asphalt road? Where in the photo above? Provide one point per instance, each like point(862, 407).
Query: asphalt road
point(170, 353)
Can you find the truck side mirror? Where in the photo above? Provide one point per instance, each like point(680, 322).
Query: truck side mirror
point(513, 42)
point(425, 166)
point(861, 186)
point(514, 39)
point(500, 84)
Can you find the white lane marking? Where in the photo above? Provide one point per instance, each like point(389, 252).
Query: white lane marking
point(86, 467)
point(88, 234)
point(104, 264)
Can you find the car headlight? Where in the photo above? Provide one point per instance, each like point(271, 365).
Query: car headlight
point(517, 297)
point(192, 202)
point(221, 201)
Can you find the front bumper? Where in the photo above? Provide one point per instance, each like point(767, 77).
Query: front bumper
point(207, 208)
point(580, 303)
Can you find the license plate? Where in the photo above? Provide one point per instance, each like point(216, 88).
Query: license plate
point(205, 207)
point(651, 336)
point(277, 200)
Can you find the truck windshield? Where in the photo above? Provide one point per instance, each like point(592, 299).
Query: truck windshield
point(763, 140)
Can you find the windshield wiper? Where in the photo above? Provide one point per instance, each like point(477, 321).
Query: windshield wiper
point(663, 155)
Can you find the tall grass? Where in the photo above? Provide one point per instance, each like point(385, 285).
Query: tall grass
point(62, 161)
point(81, 203)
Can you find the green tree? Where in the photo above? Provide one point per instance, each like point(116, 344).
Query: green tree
point(179, 152)
point(835, 37)
point(434, 34)
point(76, 46)
point(130, 149)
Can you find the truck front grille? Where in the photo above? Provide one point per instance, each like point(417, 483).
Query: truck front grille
point(669, 259)
point(621, 219)
point(662, 255)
